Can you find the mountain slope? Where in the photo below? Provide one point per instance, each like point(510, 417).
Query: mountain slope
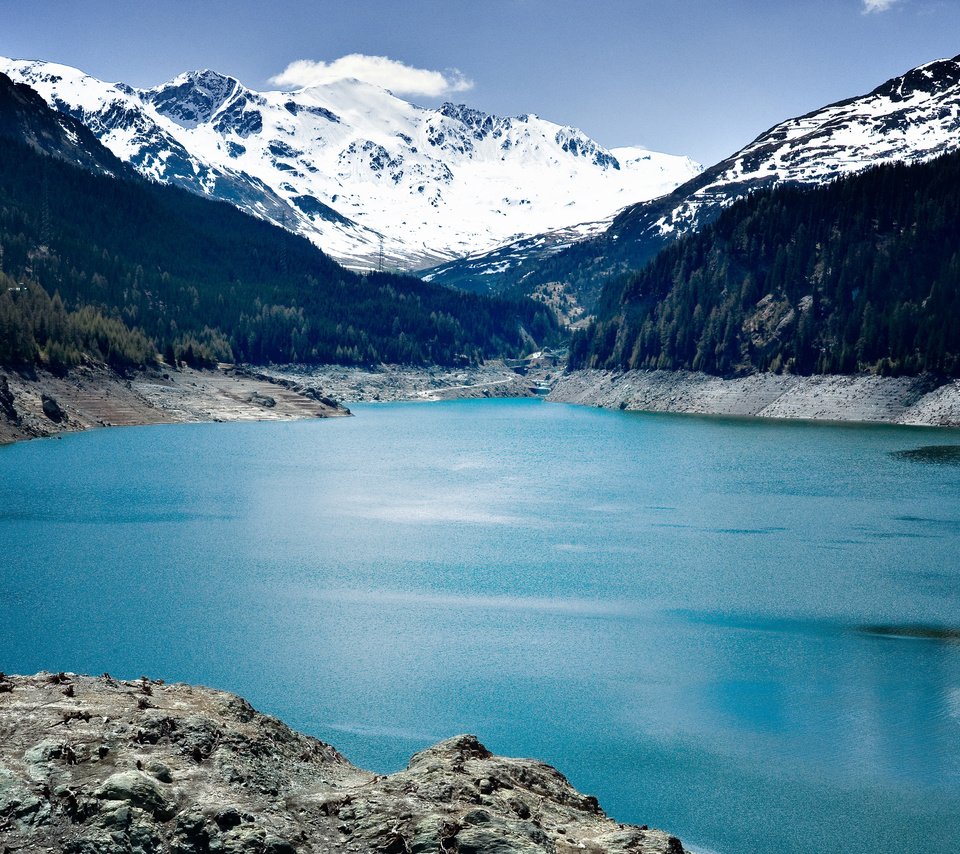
point(347, 164)
point(911, 118)
point(24, 117)
point(862, 274)
point(197, 273)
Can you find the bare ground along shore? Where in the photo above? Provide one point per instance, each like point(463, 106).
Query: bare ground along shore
point(38, 403)
point(891, 400)
point(398, 382)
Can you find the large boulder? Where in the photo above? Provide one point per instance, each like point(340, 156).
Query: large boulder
point(139, 790)
point(52, 409)
point(7, 407)
point(141, 767)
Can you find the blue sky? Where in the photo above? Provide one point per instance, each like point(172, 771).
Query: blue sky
point(697, 77)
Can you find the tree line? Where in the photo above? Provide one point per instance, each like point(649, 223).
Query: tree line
point(198, 279)
point(862, 274)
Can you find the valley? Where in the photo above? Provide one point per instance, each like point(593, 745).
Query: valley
point(375, 181)
point(444, 416)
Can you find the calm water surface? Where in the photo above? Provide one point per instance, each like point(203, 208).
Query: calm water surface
point(744, 632)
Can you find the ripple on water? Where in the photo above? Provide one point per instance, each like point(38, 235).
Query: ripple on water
point(945, 455)
point(943, 634)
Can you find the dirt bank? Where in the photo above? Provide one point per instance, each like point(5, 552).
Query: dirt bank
point(893, 400)
point(37, 403)
point(395, 382)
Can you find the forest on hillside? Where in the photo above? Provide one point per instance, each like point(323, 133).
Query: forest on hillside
point(200, 279)
point(862, 274)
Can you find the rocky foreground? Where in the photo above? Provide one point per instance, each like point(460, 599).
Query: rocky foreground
point(95, 765)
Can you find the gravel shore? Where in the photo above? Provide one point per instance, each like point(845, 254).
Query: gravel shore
point(38, 403)
point(892, 400)
point(396, 382)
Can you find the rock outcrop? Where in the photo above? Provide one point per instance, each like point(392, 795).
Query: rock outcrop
point(52, 409)
point(102, 766)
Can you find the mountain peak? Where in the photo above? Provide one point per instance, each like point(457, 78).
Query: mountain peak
point(193, 97)
point(348, 162)
point(931, 78)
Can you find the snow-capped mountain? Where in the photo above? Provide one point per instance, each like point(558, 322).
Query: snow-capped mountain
point(911, 118)
point(350, 165)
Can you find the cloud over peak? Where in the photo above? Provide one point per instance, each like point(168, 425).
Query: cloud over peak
point(877, 5)
point(398, 77)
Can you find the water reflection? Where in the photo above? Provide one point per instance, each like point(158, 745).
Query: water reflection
point(937, 454)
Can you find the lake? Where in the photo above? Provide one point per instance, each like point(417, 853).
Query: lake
point(744, 632)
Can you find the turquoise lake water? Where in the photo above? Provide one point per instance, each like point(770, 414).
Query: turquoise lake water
point(710, 624)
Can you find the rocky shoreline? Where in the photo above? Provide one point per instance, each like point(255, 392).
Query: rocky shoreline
point(891, 400)
point(403, 383)
point(38, 403)
point(97, 765)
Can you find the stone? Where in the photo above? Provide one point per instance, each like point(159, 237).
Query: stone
point(139, 790)
point(52, 409)
point(18, 801)
point(46, 751)
point(7, 407)
point(228, 818)
point(263, 400)
point(159, 771)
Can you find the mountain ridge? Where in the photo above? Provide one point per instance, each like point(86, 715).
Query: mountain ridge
point(913, 117)
point(117, 267)
point(857, 275)
point(348, 164)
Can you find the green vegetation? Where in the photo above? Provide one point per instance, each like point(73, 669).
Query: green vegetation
point(37, 328)
point(129, 261)
point(860, 275)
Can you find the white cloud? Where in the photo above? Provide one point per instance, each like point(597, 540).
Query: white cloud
point(877, 5)
point(399, 78)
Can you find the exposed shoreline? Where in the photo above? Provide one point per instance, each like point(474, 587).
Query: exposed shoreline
point(37, 403)
point(388, 383)
point(916, 401)
point(95, 396)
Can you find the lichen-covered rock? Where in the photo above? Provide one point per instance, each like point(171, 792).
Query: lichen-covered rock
point(102, 766)
point(138, 790)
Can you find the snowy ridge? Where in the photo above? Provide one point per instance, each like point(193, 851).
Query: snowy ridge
point(477, 272)
point(349, 165)
point(911, 118)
